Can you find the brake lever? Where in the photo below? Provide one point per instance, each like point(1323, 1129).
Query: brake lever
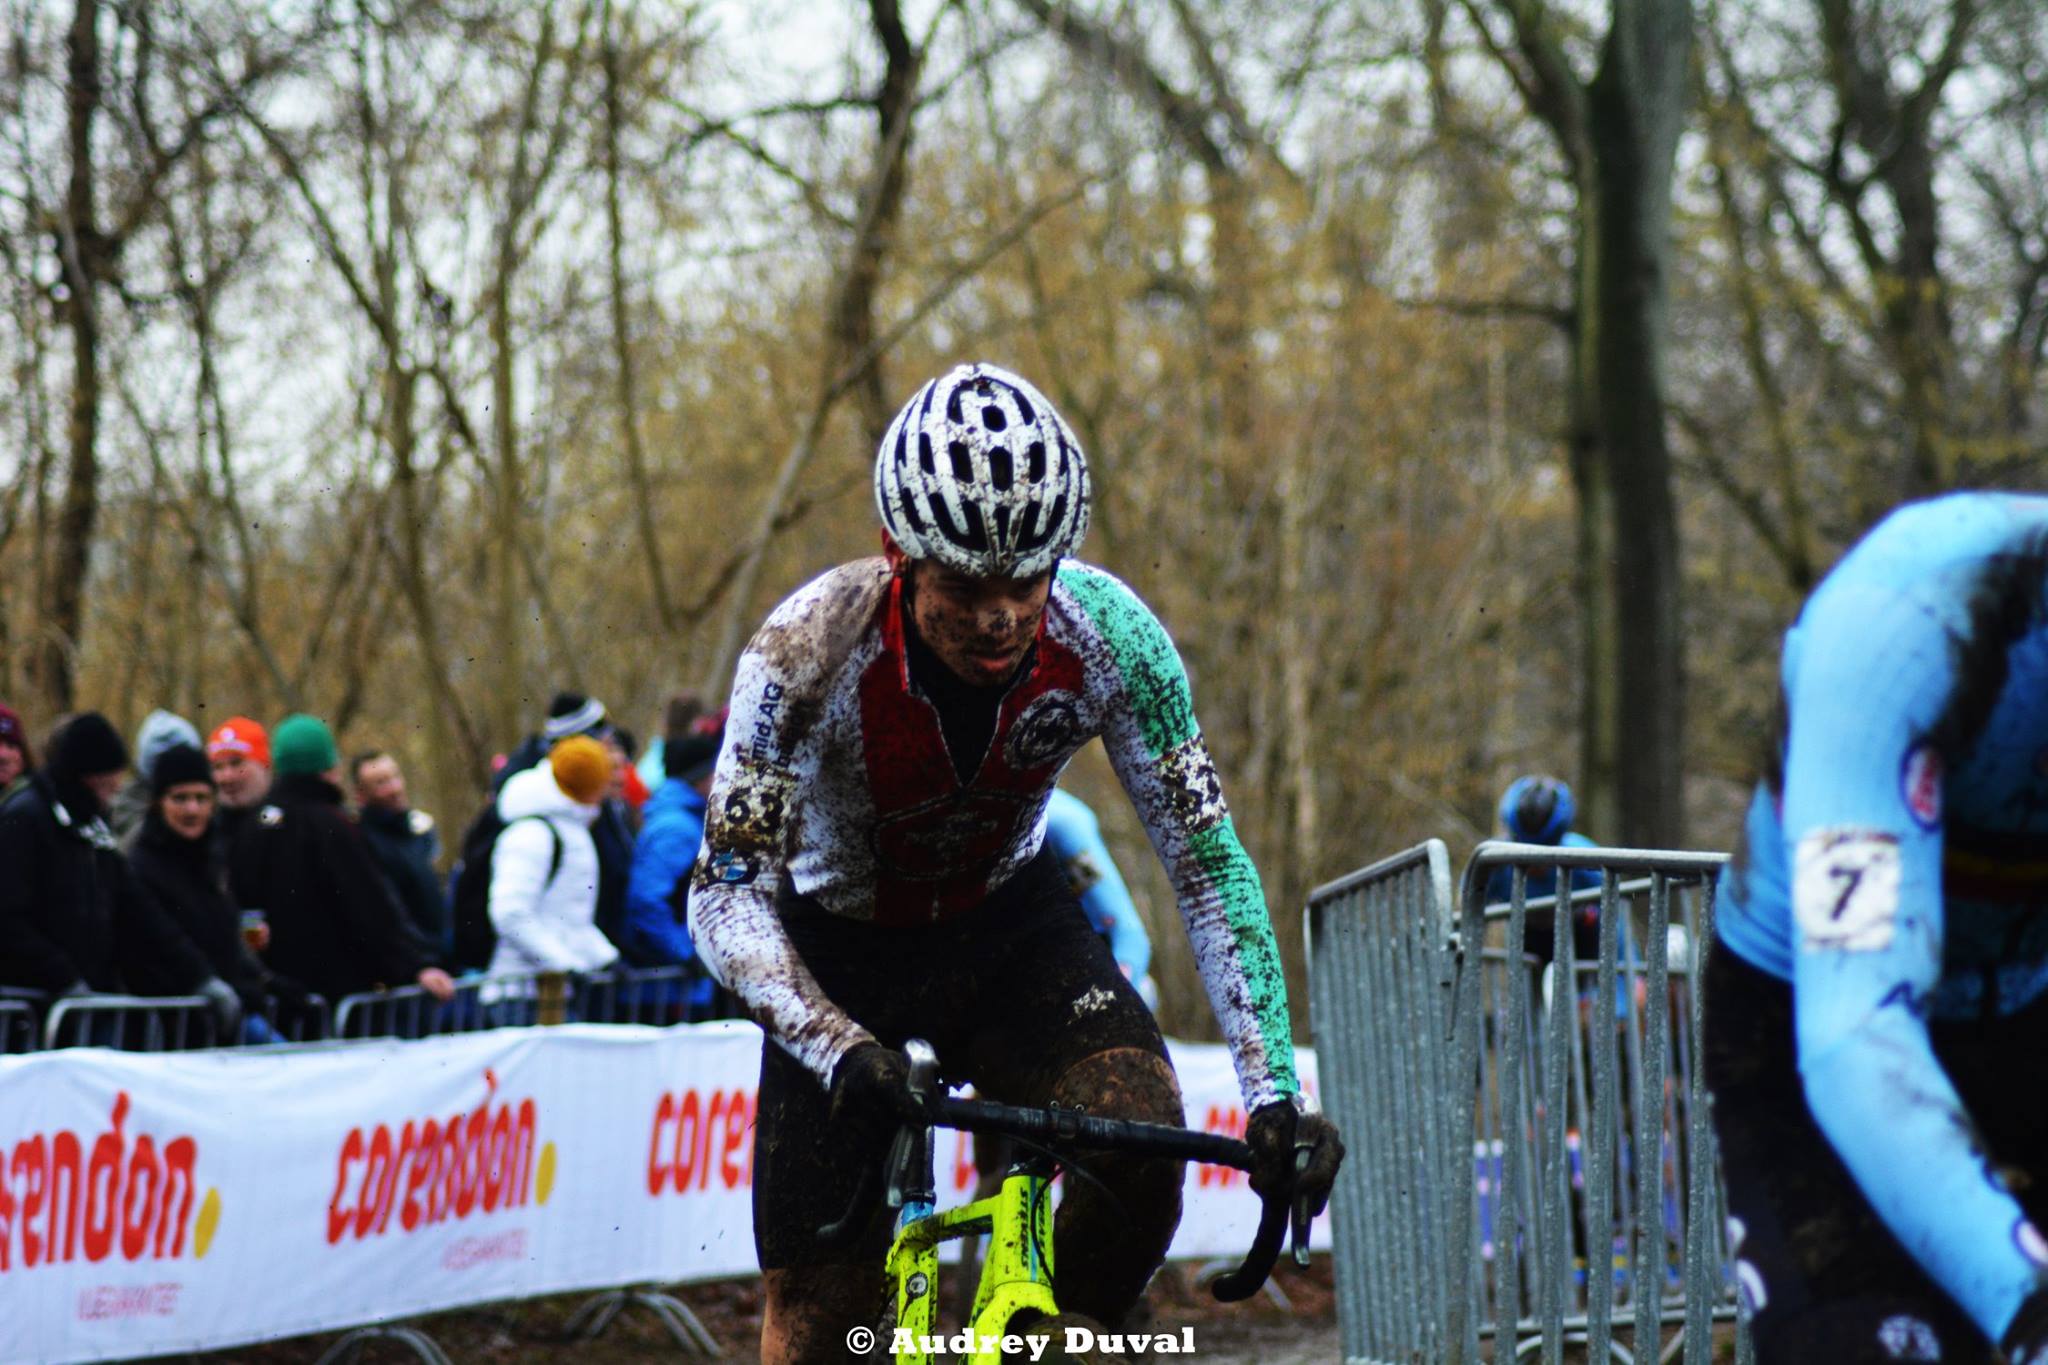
point(1300, 1217)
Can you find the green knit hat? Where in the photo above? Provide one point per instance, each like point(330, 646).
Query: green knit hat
point(302, 744)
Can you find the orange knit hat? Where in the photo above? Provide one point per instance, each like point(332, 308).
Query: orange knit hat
point(583, 769)
point(240, 735)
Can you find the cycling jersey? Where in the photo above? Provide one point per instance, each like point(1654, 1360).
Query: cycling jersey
point(835, 778)
point(1901, 871)
point(1076, 836)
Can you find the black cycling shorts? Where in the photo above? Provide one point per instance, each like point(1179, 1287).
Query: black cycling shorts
point(1011, 994)
point(1824, 1278)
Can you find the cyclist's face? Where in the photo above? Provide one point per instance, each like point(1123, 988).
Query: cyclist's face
point(980, 628)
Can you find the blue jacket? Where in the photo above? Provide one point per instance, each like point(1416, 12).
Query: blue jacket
point(1076, 836)
point(1895, 876)
point(671, 831)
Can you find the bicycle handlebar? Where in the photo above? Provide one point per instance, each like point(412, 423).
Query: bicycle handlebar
point(1071, 1128)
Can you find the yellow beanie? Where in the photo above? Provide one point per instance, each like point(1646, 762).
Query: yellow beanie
point(583, 769)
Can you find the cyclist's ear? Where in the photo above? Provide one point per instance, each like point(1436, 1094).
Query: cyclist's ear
point(899, 562)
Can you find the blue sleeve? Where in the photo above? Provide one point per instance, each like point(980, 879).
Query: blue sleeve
point(1866, 677)
point(662, 855)
point(1076, 836)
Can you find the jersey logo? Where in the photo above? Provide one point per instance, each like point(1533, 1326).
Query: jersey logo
point(1845, 889)
point(1920, 785)
point(1047, 729)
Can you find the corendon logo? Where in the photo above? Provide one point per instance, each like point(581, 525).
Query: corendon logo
point(695, 1137)
point(124, 1197)
point(434, 1169)
point(1229, 1120)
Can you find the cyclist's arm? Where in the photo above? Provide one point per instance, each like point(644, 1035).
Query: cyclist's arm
point(1867, 923)
point(747, 823)
point(1157, 751)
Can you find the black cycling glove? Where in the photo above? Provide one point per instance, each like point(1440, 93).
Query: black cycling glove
point(2026, 1341)
point(871, 1090)
point(1274, 1132)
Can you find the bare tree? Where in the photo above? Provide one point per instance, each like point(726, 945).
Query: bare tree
point(1617, 132)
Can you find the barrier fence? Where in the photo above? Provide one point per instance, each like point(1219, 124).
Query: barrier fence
point(1535, 1163)
point(34, 1020)
point(189, 1201)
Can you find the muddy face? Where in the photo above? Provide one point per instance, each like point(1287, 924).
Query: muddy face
point(980, 628)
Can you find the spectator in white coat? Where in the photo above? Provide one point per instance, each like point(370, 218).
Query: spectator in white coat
point(544, 866)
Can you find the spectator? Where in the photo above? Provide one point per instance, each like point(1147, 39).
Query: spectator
point(16, 758)
point(670, 837)
point(73, 919)
point(680, 712)
point(1539, 810)
point(544, 868)
point(569, 715)
point(180, 864)
point(407, 844)
point(1076, 836)
point(240, 753)
point(307, 866)
point(160, 731)
point(626, 783)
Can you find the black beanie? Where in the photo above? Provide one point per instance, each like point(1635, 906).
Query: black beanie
point(87, 746)
point(178, 765)
point(694, 753)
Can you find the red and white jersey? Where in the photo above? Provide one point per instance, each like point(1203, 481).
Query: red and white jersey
point(835, 779)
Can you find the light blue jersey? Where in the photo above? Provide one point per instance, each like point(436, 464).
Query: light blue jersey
point(1901, 872)
point(1076, 836)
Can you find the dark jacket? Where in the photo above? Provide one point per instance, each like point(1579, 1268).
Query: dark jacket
point(71, 910)
point(333, 923)
point(407, 844)
point(188, 878)
point(614, 839)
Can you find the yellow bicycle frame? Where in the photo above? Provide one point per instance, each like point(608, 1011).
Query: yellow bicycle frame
point(1016, 1272)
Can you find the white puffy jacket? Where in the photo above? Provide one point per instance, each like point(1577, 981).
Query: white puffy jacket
point(543, 925)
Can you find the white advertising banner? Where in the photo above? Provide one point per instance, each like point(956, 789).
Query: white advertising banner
point(191, 1201)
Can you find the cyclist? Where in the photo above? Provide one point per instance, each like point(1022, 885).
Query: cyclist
point(1074, 833)
point(1539, 810)
point(874, 864)
point(1876, 1030)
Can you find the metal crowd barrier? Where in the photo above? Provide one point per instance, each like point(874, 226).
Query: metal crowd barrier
point(132, 1023)
point(1495, 1190)
point(652, 995)
point(17, 1026)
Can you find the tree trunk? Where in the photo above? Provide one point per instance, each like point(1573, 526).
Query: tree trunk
point(81, 249)
point(622, 346)
point(1637, 104)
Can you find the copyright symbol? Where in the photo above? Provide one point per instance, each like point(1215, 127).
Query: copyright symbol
point(861, 1340)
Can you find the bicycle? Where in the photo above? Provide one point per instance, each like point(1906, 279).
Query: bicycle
point(1015, 1287)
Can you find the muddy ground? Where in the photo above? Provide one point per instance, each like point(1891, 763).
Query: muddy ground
point(1261, 1332)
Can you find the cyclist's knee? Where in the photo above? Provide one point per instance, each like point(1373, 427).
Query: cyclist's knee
point(807, 1311)
point(1122, 1082)
point(1110, 1237)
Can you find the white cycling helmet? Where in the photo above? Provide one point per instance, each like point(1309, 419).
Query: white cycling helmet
point(979, 473)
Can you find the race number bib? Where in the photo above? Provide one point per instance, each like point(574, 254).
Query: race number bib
point(1845, 889)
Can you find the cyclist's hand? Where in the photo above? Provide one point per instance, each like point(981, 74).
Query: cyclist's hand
point(871, 1090)
point(1273, 1134)
point(2026, 1341)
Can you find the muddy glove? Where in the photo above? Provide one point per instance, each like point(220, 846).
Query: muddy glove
point(2026, 1341)
point(226, 1006)
point(1274, 1133)
point(871, 1091)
